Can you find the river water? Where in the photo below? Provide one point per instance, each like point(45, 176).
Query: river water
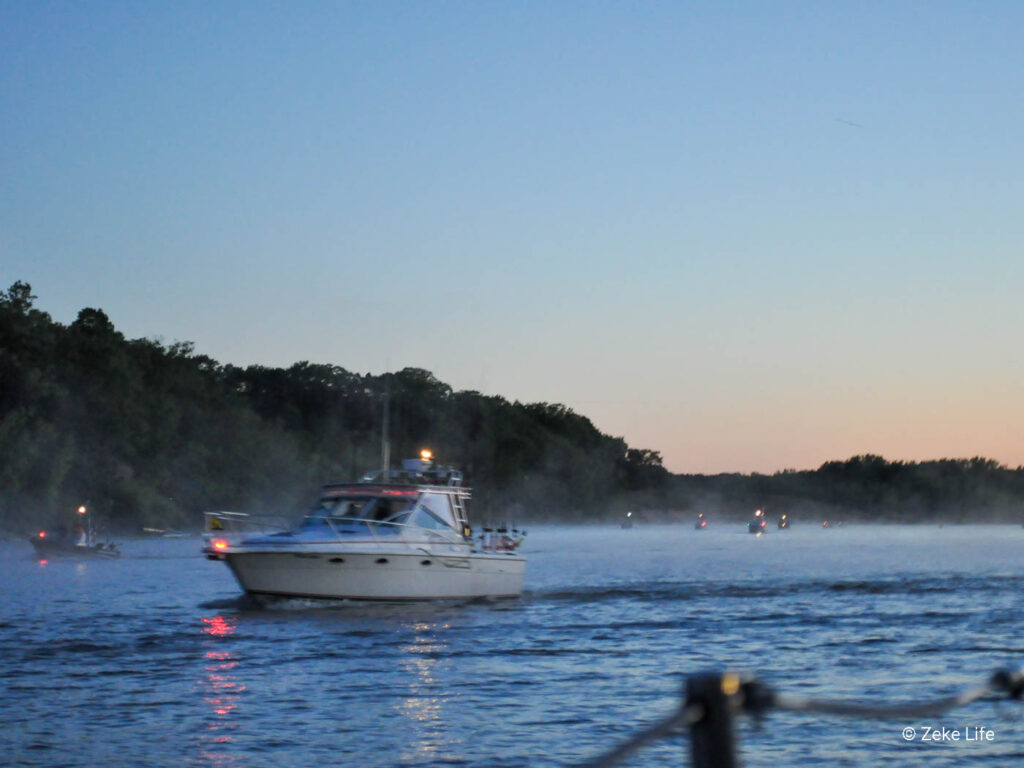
point(155, 660)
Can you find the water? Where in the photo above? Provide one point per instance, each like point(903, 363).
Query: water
point(154, 660)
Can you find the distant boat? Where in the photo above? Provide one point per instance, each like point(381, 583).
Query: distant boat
point(81, 540)
point(700, 523)
point(784, 522)
point(758, 524)
point(628, 522)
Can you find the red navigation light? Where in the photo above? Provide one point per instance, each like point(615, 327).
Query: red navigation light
point(219, 544)
point(42, 534)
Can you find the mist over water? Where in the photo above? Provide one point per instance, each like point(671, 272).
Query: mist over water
point(157, 659)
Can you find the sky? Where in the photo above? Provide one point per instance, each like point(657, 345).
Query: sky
point(750, 236)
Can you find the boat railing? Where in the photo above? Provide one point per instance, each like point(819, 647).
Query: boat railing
point(231, 525)
point(712, 700)
point(504, 538)
point(442, 476)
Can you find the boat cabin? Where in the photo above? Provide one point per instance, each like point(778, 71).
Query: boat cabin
point(418, 495)
point(348, 508)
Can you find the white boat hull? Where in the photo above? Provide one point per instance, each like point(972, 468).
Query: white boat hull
point(377, 575)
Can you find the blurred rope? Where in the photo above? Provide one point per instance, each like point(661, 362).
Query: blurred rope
point(670, 725)
point(753, 697)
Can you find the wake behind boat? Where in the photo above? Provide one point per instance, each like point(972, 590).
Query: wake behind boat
point(394, 535)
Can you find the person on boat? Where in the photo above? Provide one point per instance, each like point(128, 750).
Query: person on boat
point(382, 510)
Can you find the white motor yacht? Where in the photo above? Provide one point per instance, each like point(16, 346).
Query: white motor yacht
point(394, 535)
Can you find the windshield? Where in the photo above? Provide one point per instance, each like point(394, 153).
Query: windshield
point(364, 508)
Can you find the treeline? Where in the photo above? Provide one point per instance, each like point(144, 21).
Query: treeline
point(867, 488)
point(151, 434)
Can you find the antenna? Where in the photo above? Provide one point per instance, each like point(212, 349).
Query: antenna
point(385, 446)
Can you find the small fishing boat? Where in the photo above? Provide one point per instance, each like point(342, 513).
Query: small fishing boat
point(700, 523)
point(394, 535)
point(758, 524)
point(81, 540)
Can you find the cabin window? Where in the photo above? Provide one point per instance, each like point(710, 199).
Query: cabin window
point(388, 510)
point(424, 518)
point(440, 506)
point(334, 510)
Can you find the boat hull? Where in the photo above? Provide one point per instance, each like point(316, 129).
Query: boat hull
point(378, 575)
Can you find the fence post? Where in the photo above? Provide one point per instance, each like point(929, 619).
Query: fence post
point(710, 697)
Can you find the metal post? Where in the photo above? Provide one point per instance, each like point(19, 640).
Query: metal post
point(710, 697)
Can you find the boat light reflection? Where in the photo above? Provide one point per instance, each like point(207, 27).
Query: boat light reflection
point(221, 691)
point(219, 626)
point(424, 705)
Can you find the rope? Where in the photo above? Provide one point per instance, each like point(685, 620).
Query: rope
point(756, 698)
point(660, 730)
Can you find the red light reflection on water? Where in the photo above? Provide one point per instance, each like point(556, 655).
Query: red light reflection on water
point(221, 690)
point(222, 687)
point(219, 626)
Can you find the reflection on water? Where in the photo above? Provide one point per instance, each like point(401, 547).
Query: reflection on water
point(424, 705)
point(221, 690)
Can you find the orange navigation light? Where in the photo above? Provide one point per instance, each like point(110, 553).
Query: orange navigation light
point(81, 510)
point(219, 544)
point(426, 454)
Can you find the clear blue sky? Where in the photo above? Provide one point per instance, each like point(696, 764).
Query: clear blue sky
point(751, 236)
